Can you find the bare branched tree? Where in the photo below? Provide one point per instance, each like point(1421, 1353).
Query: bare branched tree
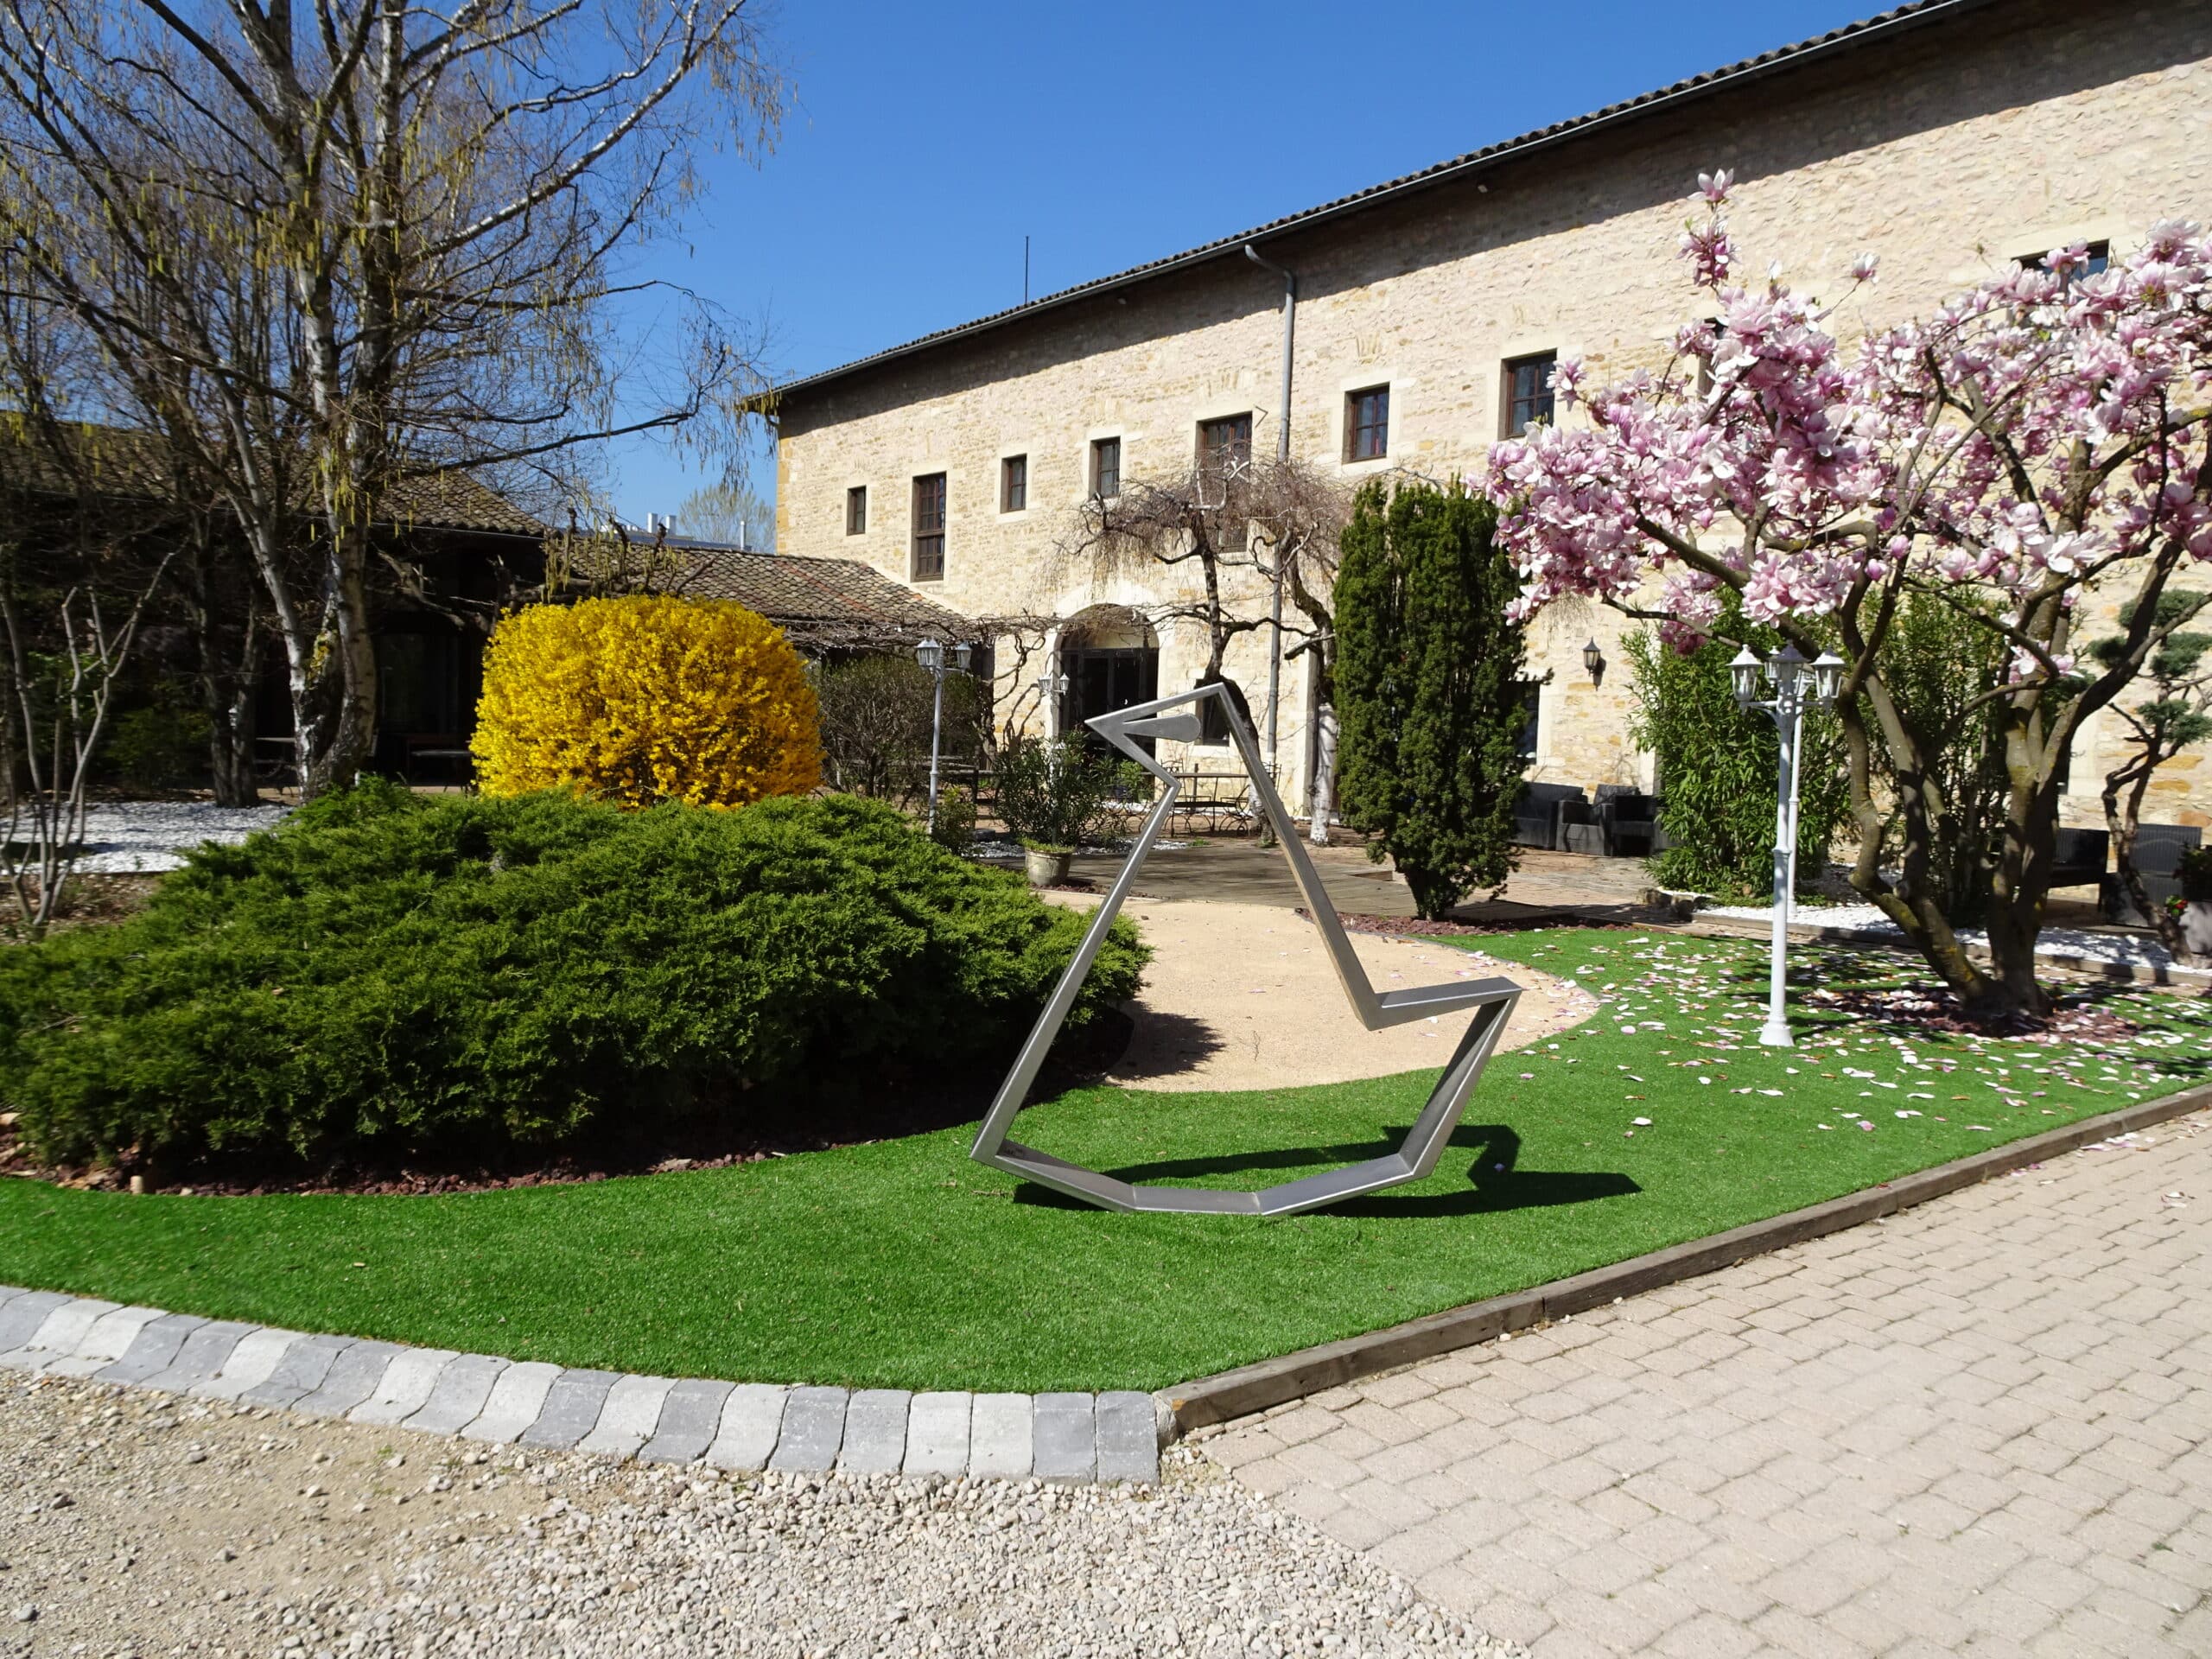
point(1185, 536)
point(1214, 541)
point(386, 240)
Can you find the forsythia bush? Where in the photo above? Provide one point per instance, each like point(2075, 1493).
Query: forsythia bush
point(642, 700)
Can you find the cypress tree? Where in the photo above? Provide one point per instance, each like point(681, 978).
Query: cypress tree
point(1429, 687)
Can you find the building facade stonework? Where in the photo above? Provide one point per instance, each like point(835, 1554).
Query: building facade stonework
point(1948, 138)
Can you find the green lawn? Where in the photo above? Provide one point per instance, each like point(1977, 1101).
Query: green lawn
point(902, 1264)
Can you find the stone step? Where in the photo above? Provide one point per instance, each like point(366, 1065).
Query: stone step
point(1062, 1436)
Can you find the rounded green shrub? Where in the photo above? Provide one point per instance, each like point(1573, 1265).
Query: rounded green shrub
point(388, 975)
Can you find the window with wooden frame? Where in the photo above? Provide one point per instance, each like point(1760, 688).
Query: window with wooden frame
point(1367, 424)
point(1014, 484)
point(1106, 467)
point(1224, 447)
point(1224, 444)
point(856, 511)
point(929, 528)
point(1528, 392)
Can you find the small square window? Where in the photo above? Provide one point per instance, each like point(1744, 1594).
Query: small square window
point(1367, 424)
point(929, 528)
point(1106, 466)
point(1014, 484)
point(1528, 392)
point(856, 511)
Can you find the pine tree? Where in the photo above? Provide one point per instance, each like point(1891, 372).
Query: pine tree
point(1429, 684)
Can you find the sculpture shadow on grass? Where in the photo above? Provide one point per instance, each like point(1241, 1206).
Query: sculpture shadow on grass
point(1495, 1182)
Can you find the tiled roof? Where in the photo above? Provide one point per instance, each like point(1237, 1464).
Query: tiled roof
point(822, 601)
point(1850, 35)
point(458, 501)
point(121, 462)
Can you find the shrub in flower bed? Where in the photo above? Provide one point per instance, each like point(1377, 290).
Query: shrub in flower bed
point(388, 976)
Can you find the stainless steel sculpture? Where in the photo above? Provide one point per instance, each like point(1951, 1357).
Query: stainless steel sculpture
point(1491, 999)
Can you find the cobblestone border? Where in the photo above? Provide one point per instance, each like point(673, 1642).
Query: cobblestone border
point(1254, 1388)
point(1069, 1438)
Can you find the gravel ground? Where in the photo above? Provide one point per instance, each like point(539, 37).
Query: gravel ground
point(134, 1523)
point(2052, 940)
point(137, 836)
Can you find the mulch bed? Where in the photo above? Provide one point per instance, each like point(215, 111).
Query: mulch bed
point(91, 900)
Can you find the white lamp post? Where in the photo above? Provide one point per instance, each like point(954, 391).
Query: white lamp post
point(1794, 680)
point(931, 656)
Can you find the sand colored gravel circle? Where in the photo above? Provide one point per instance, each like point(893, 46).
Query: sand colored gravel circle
point(1243, 996)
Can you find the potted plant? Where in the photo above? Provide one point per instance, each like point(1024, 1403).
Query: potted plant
point(1051, 795)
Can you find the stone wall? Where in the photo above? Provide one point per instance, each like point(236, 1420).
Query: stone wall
point(1949, 151)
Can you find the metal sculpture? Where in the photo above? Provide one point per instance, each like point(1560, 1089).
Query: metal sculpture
point(1415, 1157)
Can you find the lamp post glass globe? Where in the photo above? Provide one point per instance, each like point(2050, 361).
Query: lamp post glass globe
point(1784, 668)
point(1827, 678)
point(930, 654)
point(1744, 673)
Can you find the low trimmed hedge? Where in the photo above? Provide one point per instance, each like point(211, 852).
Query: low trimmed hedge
point(387, 974)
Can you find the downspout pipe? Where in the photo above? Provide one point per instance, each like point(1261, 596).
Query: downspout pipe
point(1282, 456)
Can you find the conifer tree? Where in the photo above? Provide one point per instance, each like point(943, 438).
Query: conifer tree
point(1429, 682)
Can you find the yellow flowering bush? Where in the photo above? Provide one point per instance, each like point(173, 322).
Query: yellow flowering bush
point(646, 699)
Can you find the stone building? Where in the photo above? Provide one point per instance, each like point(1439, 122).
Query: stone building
point(1947, 137)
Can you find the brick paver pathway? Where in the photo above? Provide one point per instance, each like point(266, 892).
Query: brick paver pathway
point(1979, 1427)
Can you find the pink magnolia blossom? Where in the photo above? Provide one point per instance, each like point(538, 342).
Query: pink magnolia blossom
point(2036, 432)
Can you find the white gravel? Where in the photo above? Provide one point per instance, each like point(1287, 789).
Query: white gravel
point(133, 1523)
point(137, 836)
point(2132, 949)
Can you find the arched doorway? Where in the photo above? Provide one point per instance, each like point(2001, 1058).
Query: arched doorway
point(1110, 659)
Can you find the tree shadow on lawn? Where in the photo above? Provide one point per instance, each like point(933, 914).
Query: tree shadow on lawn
point(1496, 1182)
point(1837, 988)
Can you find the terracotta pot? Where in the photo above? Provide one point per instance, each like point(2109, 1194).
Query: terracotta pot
point(1046, 869)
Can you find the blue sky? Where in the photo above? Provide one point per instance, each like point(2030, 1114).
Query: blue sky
point(926, 140)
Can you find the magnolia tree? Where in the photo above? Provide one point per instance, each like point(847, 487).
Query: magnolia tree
point(2033, 453)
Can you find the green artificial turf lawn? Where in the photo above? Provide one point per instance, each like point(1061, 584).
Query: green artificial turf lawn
point(902, 1264)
